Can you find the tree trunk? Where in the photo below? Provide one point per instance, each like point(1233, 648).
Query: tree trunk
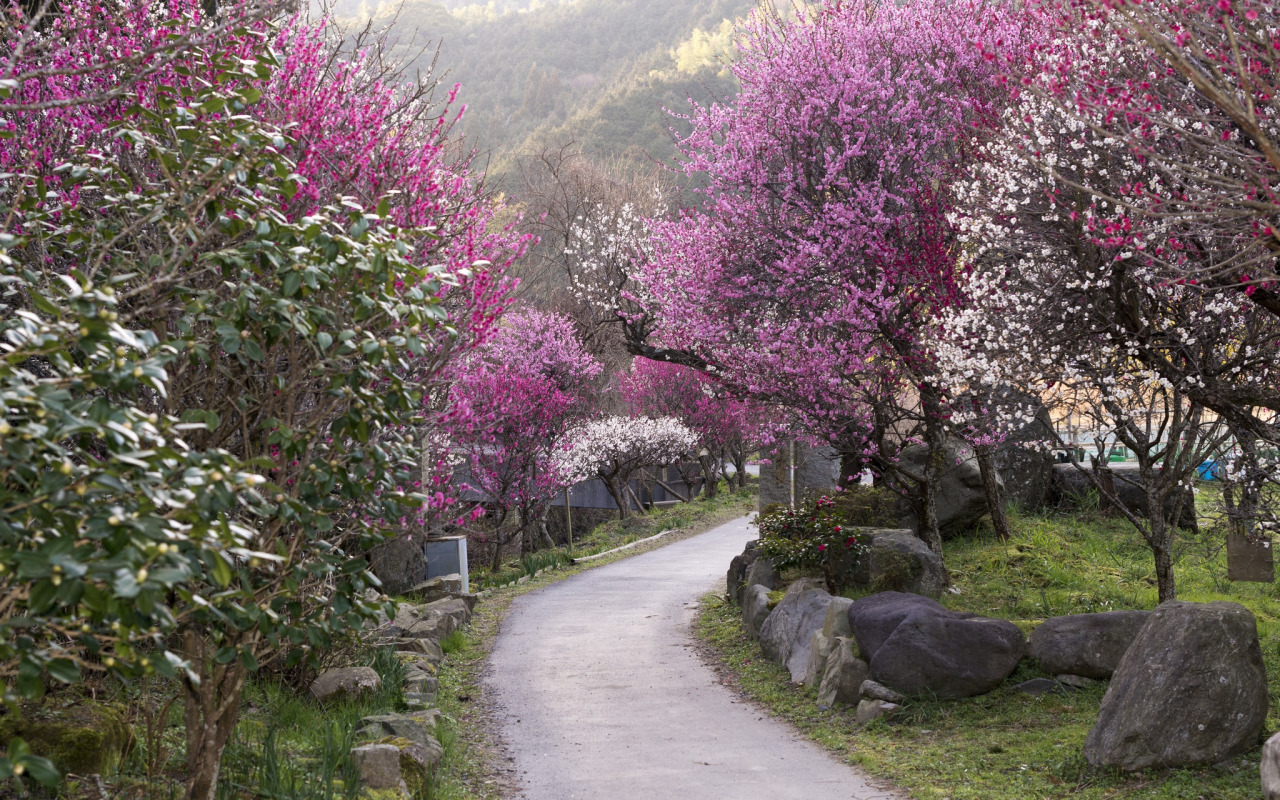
point(935, 440)
point(496, 564)
point(210, 711)
point(624, 507)
point(994, 492)
point(709, 475)
point(1164, 573)
point(1160, 537)
point(544, 539)
point(568, 520)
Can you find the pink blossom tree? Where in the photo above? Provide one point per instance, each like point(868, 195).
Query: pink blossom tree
point(728, 428)
point(511, 405)
point(824, 249)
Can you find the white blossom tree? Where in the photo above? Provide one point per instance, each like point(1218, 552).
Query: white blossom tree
point(614, 448)
point(1061, 309)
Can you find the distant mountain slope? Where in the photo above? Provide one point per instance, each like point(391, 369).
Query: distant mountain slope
point(594, 71)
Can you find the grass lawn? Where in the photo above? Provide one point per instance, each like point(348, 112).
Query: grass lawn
point(1007, 745)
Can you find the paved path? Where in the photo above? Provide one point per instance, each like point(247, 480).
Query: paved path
point(601, 697)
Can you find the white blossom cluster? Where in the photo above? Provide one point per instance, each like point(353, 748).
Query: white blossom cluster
point(605, 245)
point(620, 445)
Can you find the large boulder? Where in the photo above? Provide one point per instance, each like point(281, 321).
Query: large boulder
point(1191, 689)
point(1024, 463)
point(1071, 488)
point(755, 609)
point(401, 564)
point(762, 572)
point(819, 650)
point(736, 577)
point(443, 587)
point(346, 682)
point(918, 647)
point(899, 561)
point(418, 726)
point(82, 737)
point(786, 634)
point(1085, 644)
point(843, 675)
point(434, 620)
point(837, 621)
point(379, 766)
point(961, 500)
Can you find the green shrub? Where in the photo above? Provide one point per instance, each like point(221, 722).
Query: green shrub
point(814, 535)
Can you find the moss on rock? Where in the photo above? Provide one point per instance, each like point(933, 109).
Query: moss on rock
point(84, 739)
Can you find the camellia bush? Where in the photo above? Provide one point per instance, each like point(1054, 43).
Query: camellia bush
point(212, 382)
point(813, 535)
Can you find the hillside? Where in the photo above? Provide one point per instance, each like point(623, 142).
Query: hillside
point(596, 72)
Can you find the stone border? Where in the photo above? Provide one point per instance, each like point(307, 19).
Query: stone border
point(636, 543)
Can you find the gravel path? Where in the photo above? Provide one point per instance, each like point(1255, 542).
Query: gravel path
point(601, 695)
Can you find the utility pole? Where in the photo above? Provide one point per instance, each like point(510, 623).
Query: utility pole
point(792, 460)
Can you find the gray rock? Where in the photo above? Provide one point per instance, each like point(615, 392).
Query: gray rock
point(843, 677)
point(425, 755)
point(897, 560)
point(819, 649)
point(379, 766)
point(334, 684)
point(1070, 487)
point(438, 588)
point(786, 634)
point(755, 610)
point(873, 618)
point(761, 573)
point(455, 607)
point(869, 710)
point(1191, 689)
point(1085, 644)
point(434, 620)
point(418, 726)
point(920, 648)
point(428, 649)
point(400, 563)
point(878, 691)
point(735, 579)
point(1025, 466)
point(421, 683)
point(837, 621)
point(1075, 681)
point(420, 700)
point(1038, 686)
point(961, 499)
point(1270, 768)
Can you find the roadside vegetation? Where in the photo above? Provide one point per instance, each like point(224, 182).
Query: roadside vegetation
point(1007, 745)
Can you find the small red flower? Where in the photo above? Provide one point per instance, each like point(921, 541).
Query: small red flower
point(821, 547)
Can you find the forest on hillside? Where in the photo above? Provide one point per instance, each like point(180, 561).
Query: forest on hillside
point(603, 74)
